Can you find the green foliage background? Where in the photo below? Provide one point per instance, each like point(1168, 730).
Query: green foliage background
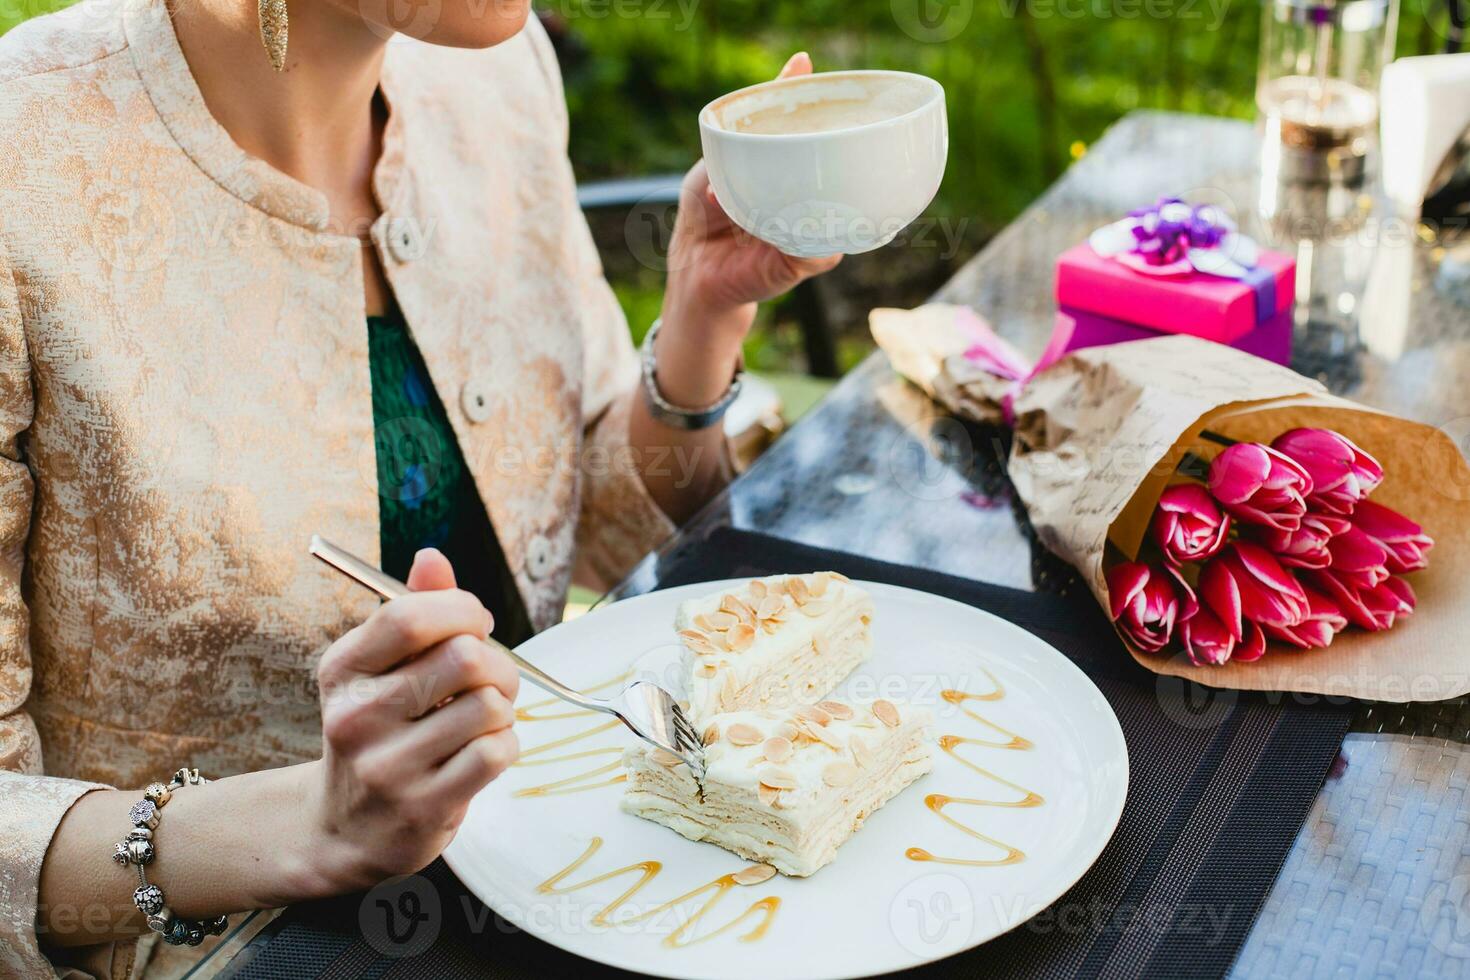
point(1030, 83)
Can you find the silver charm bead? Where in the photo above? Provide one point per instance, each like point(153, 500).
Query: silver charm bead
point(140, 833)
point(144, 813)
point(148, 899)
point(158, 793)
point(179, 932)
point(140, 852)
point(120, 853)
point(159, 921)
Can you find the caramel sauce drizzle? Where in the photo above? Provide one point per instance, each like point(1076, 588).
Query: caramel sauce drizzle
point(646, 871)
point(937, 802)
point(582, 781)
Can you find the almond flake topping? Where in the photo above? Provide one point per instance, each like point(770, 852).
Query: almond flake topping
point(777, 778)
point(697, 642)
point(787, 731)
point(820, 645)
point(729, 693)
point(813, 713)
point(753, 875)
point(840, 774)
point(820, 734)
point(741, 637)
point(861, 754)
point(667, 759)
point(838, 710)
point(742, 734)
point(817, 607)
point(885, 712)
point(768, 795)
point(711, 735)
point(777, 749)
point(757, 589)
point(798, 589)
point(817, 584)
point(738, 607)
point(839, 576)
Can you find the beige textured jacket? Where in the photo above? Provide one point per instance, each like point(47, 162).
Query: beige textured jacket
point(185, 399)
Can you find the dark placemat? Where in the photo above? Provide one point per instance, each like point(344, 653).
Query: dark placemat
point(1219, 785)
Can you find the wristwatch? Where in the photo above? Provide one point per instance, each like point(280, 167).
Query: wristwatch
point(673, 415)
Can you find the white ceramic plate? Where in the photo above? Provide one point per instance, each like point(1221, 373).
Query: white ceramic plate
point(874, 909)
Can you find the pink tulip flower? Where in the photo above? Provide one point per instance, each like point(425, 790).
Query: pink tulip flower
point(1306, 547)
point(1146, 602)
point(1358, 559)
point(1404, 540)
point(1188, 524)
point(1324, 620)
point(1376, 608)
point(1342, 474)
point(1208, 641)
point(1258, 485)
point(1245, 584)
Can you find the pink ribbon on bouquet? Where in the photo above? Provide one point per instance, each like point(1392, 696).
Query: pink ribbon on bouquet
point(995, 355)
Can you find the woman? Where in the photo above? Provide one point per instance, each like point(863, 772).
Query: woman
point(240, 305)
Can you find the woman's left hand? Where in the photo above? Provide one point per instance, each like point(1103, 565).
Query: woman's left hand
point(717, 274)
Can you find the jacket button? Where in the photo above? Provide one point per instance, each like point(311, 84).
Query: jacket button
point(404, 241)
point(474, 398)
point(539, 557)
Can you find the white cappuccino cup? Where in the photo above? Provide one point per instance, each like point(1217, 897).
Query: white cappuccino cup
point(834, 162)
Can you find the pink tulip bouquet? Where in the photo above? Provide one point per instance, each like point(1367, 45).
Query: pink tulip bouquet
point(1280, 543)
point(1230, 514)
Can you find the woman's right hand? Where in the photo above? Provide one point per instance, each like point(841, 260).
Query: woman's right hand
point(416, 719)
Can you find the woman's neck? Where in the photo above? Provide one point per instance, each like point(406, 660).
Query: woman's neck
point(315, 121)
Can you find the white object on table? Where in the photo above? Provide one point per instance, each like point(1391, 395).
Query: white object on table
point(838, 162)
point(872, 910)
point(1425, 107)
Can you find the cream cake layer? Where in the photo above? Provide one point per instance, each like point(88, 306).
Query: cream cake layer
point(773, 642)
point(787, 786)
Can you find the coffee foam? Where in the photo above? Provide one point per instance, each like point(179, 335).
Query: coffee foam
point(816, 104)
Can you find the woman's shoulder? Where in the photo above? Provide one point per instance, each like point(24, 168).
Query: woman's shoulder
point(56, 48)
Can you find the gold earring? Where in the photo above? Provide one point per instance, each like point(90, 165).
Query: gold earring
point(274, 25)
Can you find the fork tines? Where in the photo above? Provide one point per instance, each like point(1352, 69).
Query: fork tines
point(688, 739)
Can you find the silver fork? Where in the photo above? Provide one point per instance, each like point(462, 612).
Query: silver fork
point(648, 710)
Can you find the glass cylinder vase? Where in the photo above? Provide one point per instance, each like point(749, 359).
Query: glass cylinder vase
point(1317, 87)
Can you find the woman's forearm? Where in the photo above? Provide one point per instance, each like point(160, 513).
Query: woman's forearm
point(227, 846)
point(683, 469)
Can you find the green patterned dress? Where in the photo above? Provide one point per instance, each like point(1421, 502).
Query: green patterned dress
point(427, 497)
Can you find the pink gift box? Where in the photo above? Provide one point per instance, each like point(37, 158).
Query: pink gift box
point(1199, 304)
point(1076, 329)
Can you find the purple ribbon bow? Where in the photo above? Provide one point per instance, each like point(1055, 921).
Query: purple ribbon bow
point(1174, 238)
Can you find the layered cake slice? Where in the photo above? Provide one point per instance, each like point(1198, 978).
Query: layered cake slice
point(774, 642)
point(786, 787)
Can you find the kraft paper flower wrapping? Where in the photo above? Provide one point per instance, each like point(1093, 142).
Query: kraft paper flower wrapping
point(1101, 432)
